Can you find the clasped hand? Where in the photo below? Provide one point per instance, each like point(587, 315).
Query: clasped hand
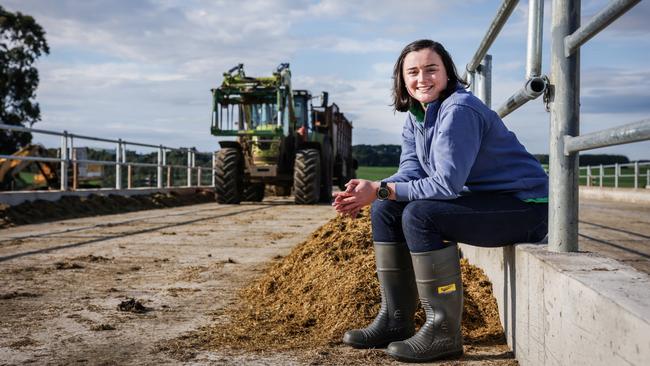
point(358, 193)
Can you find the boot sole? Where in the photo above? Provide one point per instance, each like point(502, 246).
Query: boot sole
point(366, 346)
point(378, 345)
point(446, 355)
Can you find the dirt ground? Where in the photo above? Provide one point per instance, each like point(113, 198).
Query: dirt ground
point(117, 289)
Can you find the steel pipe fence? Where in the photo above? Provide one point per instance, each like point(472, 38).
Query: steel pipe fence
point(561, 93)
point(67, 159)
point(597, 175)
point(566, 141)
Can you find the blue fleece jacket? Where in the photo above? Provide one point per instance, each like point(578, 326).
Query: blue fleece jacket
point(463, 146)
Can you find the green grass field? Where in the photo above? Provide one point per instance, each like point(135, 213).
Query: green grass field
point(380, 172)
point(375, 172)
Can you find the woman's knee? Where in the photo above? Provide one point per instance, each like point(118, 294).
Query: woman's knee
point(386, 218)
point(419, 226)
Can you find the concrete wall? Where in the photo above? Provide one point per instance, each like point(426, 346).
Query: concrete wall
point(630, 195)
point(16, 198)
point(568, 308)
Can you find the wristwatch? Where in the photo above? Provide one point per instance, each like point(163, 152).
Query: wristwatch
point(383, 192)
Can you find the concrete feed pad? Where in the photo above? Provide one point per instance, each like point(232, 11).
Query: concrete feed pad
point(67, 285)
point(63, 281)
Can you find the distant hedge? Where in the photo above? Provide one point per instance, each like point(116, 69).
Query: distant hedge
point(388, 155)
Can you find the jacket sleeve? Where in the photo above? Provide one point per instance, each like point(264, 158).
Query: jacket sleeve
point(455, 147)
point(409, 165)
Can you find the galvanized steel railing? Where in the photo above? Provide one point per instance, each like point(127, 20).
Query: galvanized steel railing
point(596, 175)
point(67, 159)
point(561, 95)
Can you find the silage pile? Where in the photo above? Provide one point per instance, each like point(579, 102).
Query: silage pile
point(327, 285)
point(69, 207)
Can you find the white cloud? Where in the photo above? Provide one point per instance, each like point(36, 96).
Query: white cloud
point(143, 69)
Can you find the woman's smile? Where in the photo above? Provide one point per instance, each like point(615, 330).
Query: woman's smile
point(424, 75)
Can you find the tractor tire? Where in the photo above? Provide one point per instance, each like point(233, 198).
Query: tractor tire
point(306, 177)
point(254, 192)
point(229, 176)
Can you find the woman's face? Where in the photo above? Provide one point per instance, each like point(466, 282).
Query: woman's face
point(424, 75)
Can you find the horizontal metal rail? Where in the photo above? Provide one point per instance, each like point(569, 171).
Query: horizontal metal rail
point(85, 137)
point(632, 132)
point(504, 12)
point(101, 162)
point(533, 88)
point(600, 175)
point(67, 159)
point(600, 21)
point(31, 158)
point(622, 165)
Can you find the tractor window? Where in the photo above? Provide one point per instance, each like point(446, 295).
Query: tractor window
point(300, 106)
point(260, 115)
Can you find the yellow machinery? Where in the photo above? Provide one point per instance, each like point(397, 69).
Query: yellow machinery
point(25, 174)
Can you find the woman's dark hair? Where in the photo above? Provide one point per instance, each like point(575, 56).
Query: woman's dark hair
point(402, 100)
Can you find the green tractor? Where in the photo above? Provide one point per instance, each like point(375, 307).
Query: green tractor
point(278, 139)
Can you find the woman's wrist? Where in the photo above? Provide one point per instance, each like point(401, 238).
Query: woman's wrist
point(391, 188)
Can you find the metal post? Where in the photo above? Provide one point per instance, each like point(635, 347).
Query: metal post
point(129, 176)
point(470, 80)
point(159, 169)
point(198, 180)
point(484, 81)
point(601, 176)
point(214, 172)
point(616, 175)
point(64, 161)
point(565, 120)
point(647, 179)
point(636, 174)
point(118, 167)
point(535, 35)
point(75, 168)
point(169, 176)
point(189, 167)
point(198, 177)
point(589, 176)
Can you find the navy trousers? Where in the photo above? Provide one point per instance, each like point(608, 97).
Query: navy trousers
point(486, 220)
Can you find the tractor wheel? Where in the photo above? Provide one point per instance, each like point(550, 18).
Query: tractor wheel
point(306, 176)
point(254, 192)
point(229, 176)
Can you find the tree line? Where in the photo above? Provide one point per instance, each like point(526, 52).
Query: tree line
point(388, 155)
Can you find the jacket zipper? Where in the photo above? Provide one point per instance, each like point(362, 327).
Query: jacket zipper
point(424, 136)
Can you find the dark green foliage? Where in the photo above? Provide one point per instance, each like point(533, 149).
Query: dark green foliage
point(388, 155)
point(591, 159)
point(22, 41)
point(377, 155)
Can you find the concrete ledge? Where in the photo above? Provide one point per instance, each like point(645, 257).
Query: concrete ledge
point(629, 195)
point(568, 308)
point(16, 198)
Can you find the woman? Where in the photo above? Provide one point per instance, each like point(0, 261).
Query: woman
point(463, 177)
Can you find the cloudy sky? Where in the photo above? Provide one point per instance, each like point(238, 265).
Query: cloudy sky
point(142, 70)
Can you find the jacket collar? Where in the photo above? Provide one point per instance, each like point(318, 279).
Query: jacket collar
point(418, 111)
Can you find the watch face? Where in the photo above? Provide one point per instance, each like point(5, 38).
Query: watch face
point(383, 193)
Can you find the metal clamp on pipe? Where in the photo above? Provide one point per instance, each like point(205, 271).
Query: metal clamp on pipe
point(533, 88)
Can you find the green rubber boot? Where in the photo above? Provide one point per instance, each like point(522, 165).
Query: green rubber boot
point(395, 320)
point(437, 274)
